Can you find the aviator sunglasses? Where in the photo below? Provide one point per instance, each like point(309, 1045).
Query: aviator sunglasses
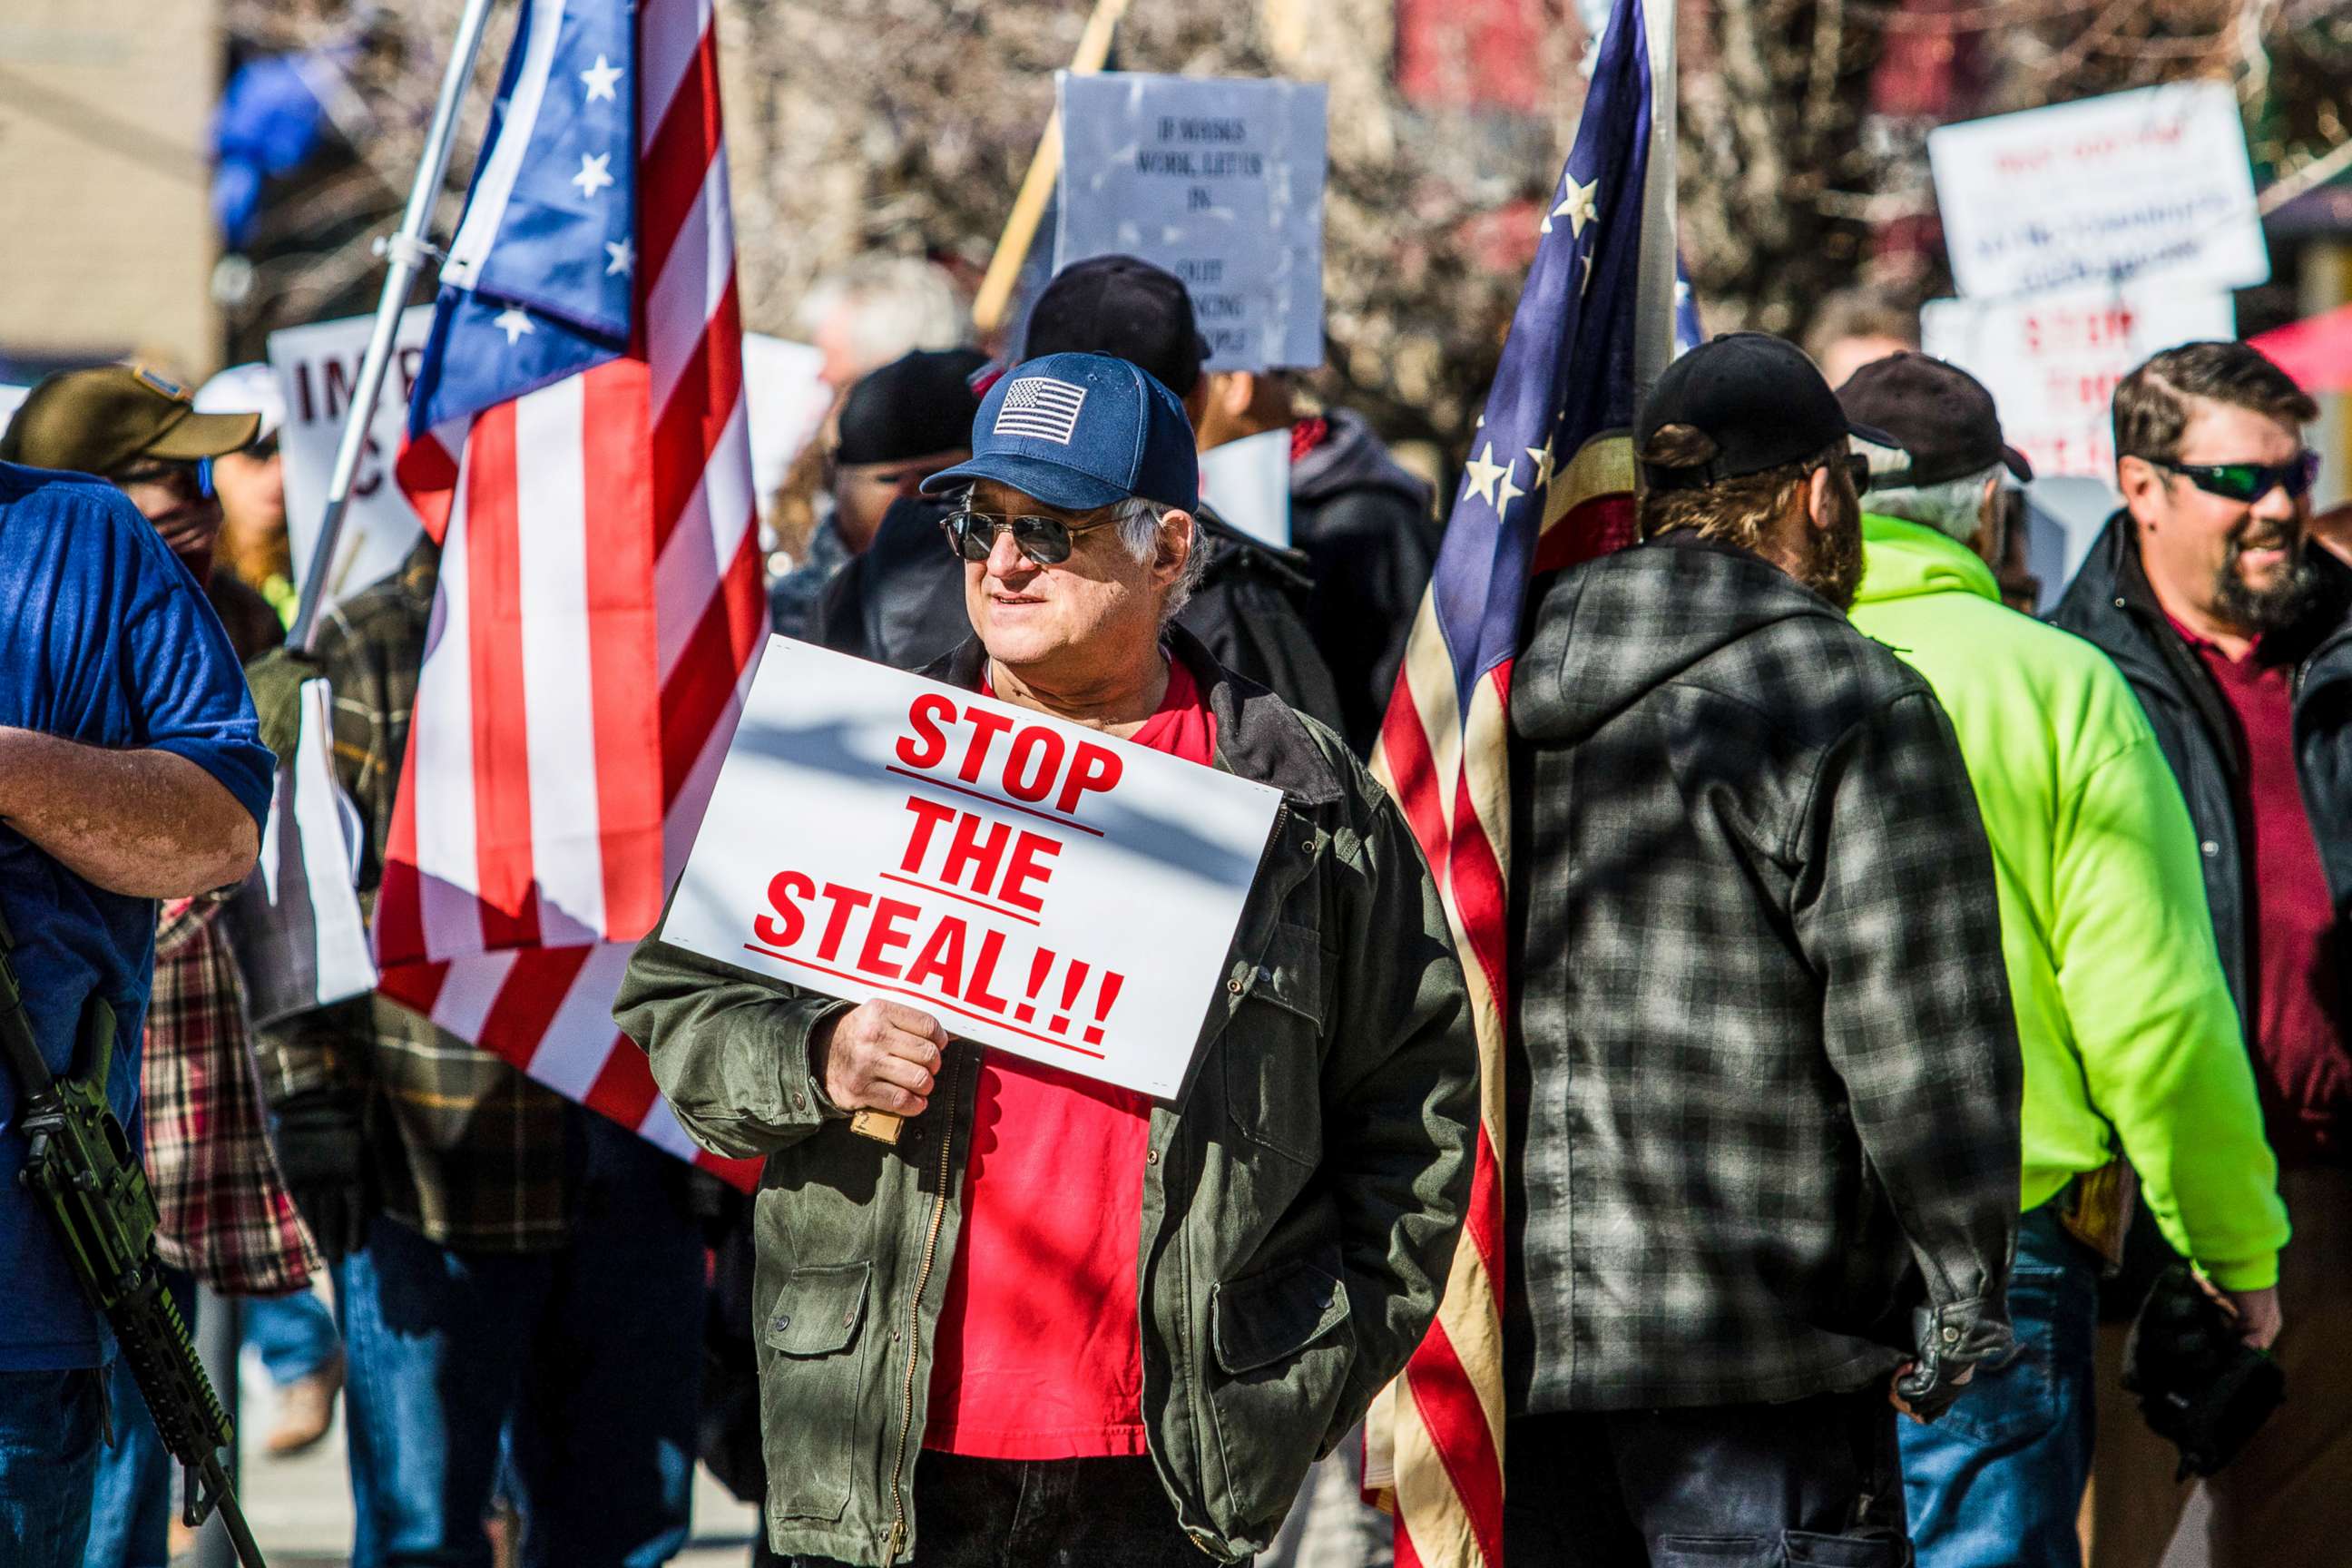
point(2244, 482)
point(1046, 541)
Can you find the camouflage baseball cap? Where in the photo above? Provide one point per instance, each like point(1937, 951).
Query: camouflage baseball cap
point(97, 420)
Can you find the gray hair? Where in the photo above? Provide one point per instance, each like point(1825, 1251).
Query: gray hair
point(1954, 508)
point(1139, 530)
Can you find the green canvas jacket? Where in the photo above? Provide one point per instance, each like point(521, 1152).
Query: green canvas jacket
point(1301, 1200)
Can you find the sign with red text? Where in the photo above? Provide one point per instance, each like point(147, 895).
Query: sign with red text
point(2052, 361)
point(1035, 885)
point(317, 368)
point(2150, 183)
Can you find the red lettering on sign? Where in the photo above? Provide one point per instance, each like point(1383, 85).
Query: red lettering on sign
point(1041, 746)
point(785, 929)
point(978, 846)
point(984, 970)
point(886, 936)
point(928, 814)
point(929, 743)
point(985, 728)
point(1097, 768)
point(846, 902)
point(1028, 851)
point(941, 959)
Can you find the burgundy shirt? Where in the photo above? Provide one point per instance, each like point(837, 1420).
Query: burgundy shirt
point(2301, 1062)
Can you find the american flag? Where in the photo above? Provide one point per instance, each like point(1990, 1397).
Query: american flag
point(1548, 483)
point(578, 445)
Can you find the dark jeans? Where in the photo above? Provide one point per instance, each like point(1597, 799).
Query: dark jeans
point(569, 1380)
point(130, 1502)
point(48, 1463)
point(1814, 1482)
point(1042, 1513)
point(1998, 1482)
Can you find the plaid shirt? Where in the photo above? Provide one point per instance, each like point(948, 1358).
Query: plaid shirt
point(226, 1214)
point(1768, 1072)
point(467, 1150)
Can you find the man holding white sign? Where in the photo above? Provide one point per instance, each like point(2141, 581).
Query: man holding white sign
point(1103, 1301)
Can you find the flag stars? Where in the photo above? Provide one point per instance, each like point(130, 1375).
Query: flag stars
point(1579, 205)
point(1483, 471)
point(624, 256)
point(514, 323)
point(1505, 493)
point(600, 79)
point(595, 173)
point(1545, 464)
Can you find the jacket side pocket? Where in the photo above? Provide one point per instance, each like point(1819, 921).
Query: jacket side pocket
point(811, 1362)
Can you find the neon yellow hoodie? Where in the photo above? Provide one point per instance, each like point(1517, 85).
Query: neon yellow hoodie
point(2125, 1020)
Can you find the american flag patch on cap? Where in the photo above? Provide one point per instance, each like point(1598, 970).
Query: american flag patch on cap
point(1041, 407)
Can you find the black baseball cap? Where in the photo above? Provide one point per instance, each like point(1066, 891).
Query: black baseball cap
point(1939, 415)
point(920, 404)
point(1125, 307)
point(1758, 397)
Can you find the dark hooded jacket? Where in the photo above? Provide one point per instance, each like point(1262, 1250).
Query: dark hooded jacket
point(1767, 1081)
point(2111, 604)
point(1364, 524)
point(901, 603)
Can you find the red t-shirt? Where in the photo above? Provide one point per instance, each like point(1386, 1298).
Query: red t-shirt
point(1038, 1353)
point(2301, 1064)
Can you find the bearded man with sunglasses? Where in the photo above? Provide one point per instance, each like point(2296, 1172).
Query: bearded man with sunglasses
point(1149, 1318)
point(2236, 635)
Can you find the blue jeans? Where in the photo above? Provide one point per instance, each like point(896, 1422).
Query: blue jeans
point(295, 1335)
point(131, 1511)
point(1999, 1479)
point(48, 1461)
point(583, 1364)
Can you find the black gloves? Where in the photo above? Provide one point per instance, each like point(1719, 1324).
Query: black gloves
point(1952, 1340)
point(323, 1157)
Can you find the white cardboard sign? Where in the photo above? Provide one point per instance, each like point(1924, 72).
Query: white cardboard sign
point(2052, 361)
point(2134, 184)
point(317, 367)
point(1032, 884)
point(1219, 181)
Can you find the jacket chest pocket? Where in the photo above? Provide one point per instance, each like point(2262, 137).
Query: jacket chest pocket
point(813, 1352)
point(1273, 1046)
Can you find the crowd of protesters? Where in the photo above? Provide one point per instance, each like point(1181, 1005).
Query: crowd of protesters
point(1929, 1020)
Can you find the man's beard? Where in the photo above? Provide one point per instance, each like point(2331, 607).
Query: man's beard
point(1834, 566)
point(2254, 611)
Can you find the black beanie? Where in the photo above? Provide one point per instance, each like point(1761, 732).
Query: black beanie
point(918, 403)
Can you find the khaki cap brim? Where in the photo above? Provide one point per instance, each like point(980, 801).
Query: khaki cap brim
point(201, 435)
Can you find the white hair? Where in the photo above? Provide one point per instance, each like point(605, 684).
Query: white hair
point(894, 304)
point(1954, 508)
point(1139, 521)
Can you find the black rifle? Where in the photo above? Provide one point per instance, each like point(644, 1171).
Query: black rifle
point(79, 1164)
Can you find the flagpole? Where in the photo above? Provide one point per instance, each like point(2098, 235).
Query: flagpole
point(407, 252)
point(1037, 186)
point(1653, 287)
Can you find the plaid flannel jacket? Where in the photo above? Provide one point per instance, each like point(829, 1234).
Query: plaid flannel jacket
point(1767, 1079)
point(468, 1152)
point(226, 1216)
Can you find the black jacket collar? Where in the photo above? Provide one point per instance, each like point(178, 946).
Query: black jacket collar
point(1259, 736)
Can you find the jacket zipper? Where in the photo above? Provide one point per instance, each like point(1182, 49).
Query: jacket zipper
point(915, 1321)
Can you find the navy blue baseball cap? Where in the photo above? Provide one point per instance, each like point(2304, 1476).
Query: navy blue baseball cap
point(1081, 431)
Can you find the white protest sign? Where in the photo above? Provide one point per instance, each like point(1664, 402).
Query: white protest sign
point(1248, 482)
point(2128, 185)
point(1034, 884)
point(2052, 361)
point(1219, 181)
point(317, 367)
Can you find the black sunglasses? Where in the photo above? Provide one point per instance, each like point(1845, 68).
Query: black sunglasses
point(1047, 541)
point(2245, 482)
